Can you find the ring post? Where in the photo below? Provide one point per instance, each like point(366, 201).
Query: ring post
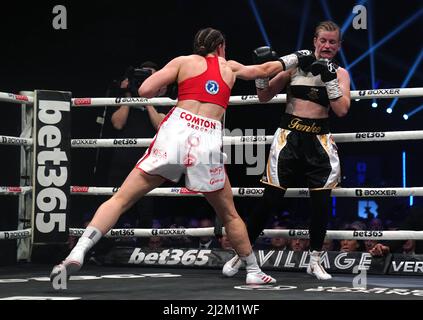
point(25, 200)
point(51, 175)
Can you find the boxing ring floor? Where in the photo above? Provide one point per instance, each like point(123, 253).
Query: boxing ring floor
point(164, 283)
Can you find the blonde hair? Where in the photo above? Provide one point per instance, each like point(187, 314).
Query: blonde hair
point(328, 26)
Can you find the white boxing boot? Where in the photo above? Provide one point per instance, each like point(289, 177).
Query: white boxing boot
point(74, 261)
point(315, 268)
point(72, 264)
point(254, 273)
point(231, 267)
point(259, 278)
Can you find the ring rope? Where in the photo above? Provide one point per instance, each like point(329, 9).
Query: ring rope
point(227, 140)
point(241, 140)
point(15, 234)
point(209, 232)
point(15, 190)
point(15, 141)
point(16, 98)
point(271, 233)
point(234, 100)
point(257, 192)
point(239, 192)
point(247, 99)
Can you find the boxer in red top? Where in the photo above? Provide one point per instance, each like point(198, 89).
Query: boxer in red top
point(189, 142)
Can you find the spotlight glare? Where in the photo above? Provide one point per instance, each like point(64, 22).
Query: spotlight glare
point(374, 105)
point(357, 100)
point(389, 110)
point(405, 116)
point(259, 22)
point(389, 36)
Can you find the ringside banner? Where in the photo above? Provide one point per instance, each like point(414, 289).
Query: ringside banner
point(51, 176)
point(283, 260)
point(402, 264)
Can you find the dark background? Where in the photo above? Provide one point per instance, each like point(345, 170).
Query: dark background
point(104, 37)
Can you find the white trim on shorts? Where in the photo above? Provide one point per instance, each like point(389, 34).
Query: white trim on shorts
point(187, 144)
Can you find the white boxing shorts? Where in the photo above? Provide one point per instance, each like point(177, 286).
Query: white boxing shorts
point(187, 144)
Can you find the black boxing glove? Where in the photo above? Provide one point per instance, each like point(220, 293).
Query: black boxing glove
point(301, 58)
point(327, 71)
point(325, 68)
point(305, 59)
point(262, 55)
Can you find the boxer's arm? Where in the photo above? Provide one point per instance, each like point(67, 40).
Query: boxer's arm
point(275, 86)
point(155, 117)
point(165, 76)
point(341, 105)
point(120, 116)
point(252, 72)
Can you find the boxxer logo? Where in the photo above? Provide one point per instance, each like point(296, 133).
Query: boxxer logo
point(248, 97)
point(294, 233)
point(375, 193)
point(128, 100)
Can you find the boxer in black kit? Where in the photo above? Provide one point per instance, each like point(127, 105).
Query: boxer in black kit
point(302, 145)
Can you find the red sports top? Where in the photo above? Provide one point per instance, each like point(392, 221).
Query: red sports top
point(206, 87)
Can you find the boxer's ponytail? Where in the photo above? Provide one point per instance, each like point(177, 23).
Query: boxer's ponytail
point(207, 40)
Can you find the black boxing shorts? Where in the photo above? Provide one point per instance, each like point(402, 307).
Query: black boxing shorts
point(303, 148)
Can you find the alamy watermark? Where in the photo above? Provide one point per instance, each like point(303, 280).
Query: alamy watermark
point(60, 280)
point(249, 150)
point(246, 147)
point(60, 20)
point(360, 20)
point(360, 280)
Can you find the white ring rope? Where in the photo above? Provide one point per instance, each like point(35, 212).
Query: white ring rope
point(238, 192)
point(15, 141)
point(209, 232)
point(241, 140)
point(257, 192)
point(271, 233)
point(227, 140)
point(16, 98)
point(247, 99)
point(234, 100)
point(16, 234)
point(14, 191)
